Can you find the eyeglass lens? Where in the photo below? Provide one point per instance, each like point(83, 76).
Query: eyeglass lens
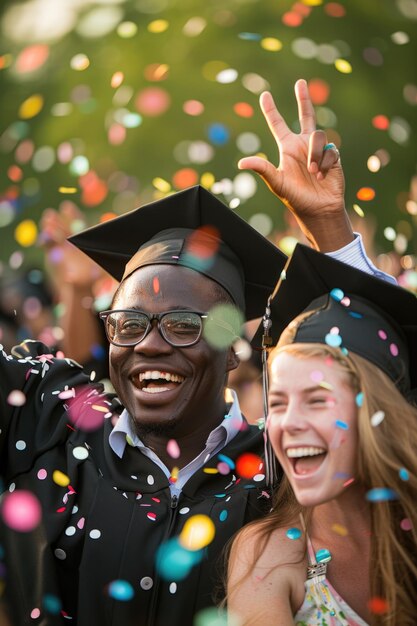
point(129, 327)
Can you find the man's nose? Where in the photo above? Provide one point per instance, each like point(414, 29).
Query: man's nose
point(153, 343)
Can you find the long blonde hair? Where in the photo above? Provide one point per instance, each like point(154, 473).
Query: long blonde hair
point(386, 459)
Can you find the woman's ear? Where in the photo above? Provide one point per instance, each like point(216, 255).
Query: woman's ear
point(232, 359)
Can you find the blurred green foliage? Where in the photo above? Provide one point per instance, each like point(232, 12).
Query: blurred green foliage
point(376, 37)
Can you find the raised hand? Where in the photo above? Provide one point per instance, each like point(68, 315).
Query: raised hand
point(309, 178)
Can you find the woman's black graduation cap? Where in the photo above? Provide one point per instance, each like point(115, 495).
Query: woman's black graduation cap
point(245, 263)
point(366, 315)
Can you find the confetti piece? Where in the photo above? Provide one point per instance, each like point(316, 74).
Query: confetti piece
point(333, 340)
point(173, 448)
point(404, 474)
point(377, 418)
point(60, 478)
point(378, 606)
point(366, 194)
point(294, 533)
point(340, 530)
point(343, 66)
point(359, 399)
point(381, 494)
point(31, 107)
point(223, 326)
point(198, 532)
point(21, 510)
point(248, 465)
point(67, 189)
point(358, 210)
point(26, 233)
point(121, 590)
point(406, 524)
point(16, 398)
point(174, 562)
point(342, 425)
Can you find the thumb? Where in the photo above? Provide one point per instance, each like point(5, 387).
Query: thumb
point(266, 170)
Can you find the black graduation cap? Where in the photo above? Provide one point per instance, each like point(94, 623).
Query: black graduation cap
point(195, 229)
point(356, 311)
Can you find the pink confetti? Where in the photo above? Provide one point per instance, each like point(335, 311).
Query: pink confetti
point(394, 349)
point(21, 510)
point(382, 334)
point(35, 613)
point(42, 474)
point(406, 524)
point(81, 523)
point(173, 449)
point(151, 516)
point(316, 376)
point(16, 398)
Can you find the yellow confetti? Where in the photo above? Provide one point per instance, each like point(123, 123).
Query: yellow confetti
point(343, 66)
point(31, 106)
point(358, 210)
point(210, 470)
point(271, 44)
point(158, 26)
point(161, 184)
point(98, 407)
point(340, 530)
point(60, 478)
point(117, 79)
point(198, 532)
point(207, 180)
point(312, 3)
point(26, 233)
point(325, 385)
point(67, 189)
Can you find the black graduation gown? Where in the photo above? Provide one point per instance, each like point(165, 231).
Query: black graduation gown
point(108, 522)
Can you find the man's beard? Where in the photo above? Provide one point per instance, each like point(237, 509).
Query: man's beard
point(163, 429)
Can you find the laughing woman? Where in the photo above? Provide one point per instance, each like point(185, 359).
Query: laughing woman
point(339, 547)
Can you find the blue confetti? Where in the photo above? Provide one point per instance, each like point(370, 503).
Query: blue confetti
point(381, 494)
point(174, 562)
point(294, 533)
point(337, 294)
point(218, 134)
point(333, 340)
point(227, 460)
point(250, 36)
point(121, 590)
point(51, 604)
point(404, 474)
point(223, 515)
point(342, 425)
point(356, 315)
point(359, 399)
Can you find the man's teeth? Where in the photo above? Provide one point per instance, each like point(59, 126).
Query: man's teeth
point(294, 453)
point(156, 375)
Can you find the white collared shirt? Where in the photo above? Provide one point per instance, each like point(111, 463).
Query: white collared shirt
point(123, 434)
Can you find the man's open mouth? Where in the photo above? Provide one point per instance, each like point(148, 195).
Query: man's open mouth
point(154, 381)
point(306, 460)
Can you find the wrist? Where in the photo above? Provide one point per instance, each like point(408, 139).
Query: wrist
point(328, 233)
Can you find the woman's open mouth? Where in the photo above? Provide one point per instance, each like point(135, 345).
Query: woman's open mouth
point(306, 460)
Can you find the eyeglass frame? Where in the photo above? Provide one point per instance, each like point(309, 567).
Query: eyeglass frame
point(104, 315)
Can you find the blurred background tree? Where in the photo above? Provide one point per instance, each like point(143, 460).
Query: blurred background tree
point(108, 104)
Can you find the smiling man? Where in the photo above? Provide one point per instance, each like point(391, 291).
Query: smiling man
point(127, 504)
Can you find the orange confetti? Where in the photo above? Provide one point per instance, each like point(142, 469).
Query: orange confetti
point(243, 109)
point(155, 285)
point(32, 58)
point(204, 242)
point(319, 91)
point(292, 19)
point(106, 217)
point(365, 194)
point(184, 178)
point(381, 122)
point(378, 606)
point(248, 465)
point(15, 173)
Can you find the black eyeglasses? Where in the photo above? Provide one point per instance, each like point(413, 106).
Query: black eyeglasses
point(126, 327)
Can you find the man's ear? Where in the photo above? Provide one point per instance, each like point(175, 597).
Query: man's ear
point(232, 359)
